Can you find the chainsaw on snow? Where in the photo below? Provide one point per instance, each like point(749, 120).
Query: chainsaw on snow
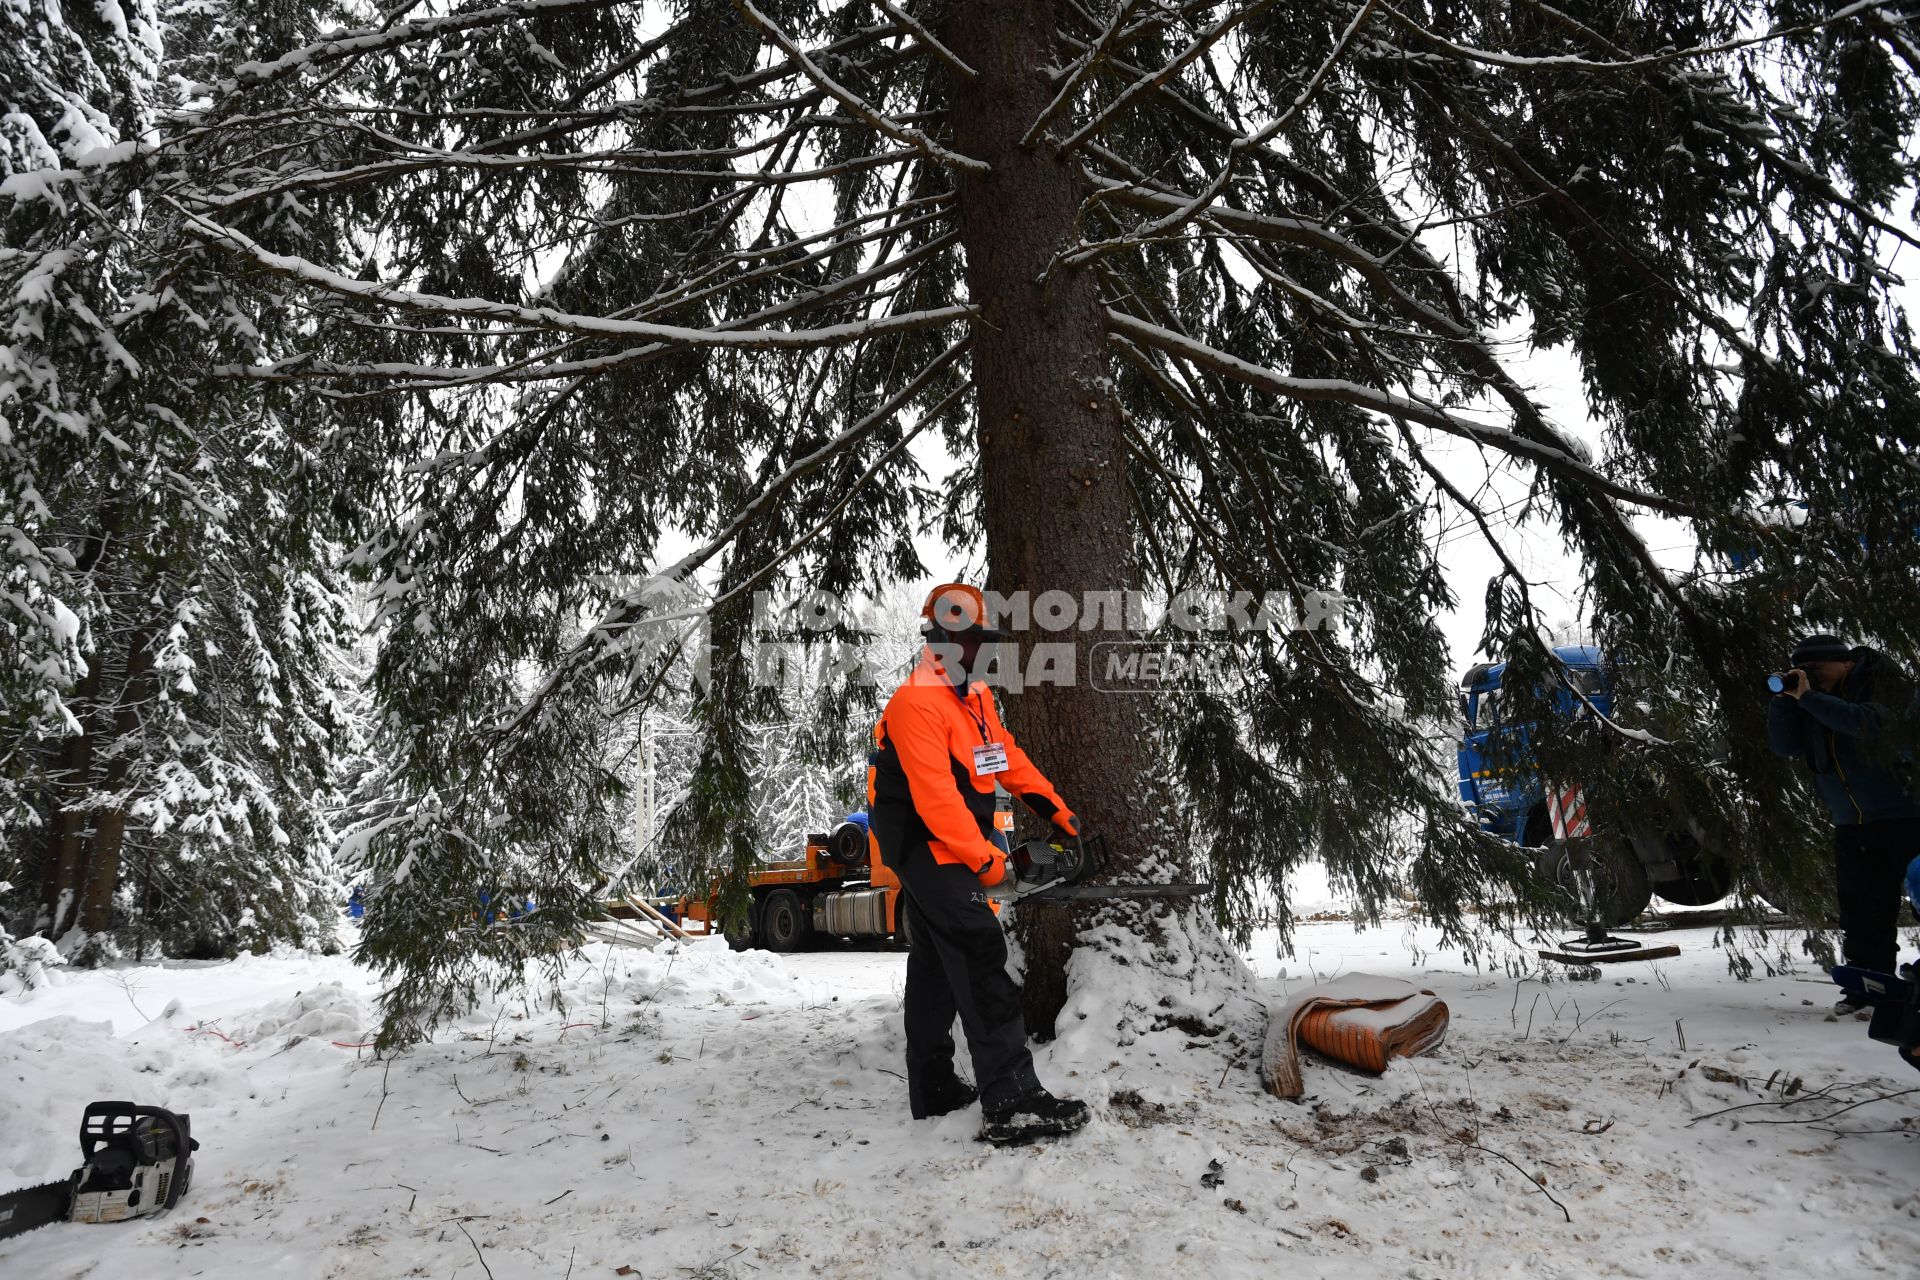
point(1052, 870)
point(135, 1161)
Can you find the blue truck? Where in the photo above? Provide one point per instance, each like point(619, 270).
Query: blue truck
point(1502, 787)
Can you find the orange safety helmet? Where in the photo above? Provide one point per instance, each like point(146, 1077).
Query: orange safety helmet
point(954, 609)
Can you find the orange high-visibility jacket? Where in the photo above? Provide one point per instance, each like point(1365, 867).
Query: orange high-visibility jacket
point(921, 783)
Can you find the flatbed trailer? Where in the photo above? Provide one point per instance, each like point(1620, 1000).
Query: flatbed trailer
point(839, 889)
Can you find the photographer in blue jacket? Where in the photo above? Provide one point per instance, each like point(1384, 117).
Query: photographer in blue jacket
point(1847, 712)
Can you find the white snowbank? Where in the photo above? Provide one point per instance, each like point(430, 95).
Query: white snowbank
point(688, 1111)
point(328, 1011)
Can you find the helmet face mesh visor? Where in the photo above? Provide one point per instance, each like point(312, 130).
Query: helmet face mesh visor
point(956, 607)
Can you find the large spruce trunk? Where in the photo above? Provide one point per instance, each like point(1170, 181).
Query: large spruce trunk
point(63, 873)
point(110, 826)
point(1053, 460)
point(65, 868)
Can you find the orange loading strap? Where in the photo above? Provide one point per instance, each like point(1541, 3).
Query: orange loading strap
point(1370, 1037)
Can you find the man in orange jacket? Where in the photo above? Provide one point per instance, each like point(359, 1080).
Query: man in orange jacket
point(940, 755)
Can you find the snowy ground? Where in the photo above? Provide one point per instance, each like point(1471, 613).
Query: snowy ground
point(698, 1113)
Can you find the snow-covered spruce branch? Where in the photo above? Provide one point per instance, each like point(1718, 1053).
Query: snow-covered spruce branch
point(698, 100)
point(546, 366)
point(344, 45)
point(1571, 62)
point(1139, 188)
point(1298, 231)
point(1179, 385)
point(801, 467)
point(1627, 254)
point(1084, 66)
point(1505, 439)
point(826, 518)
point(1187, 401)
point(721, 277)
point(1164, 15)
point(1512, 570)
point(1190, 111)
point(1304, 642)
point(1154, 81)
point(631, 610)
point(1246, 228)
point(483, 309)
point(1268, 268)
point(1448, 324)
point(1794, 173)
point(1534, 425)
point(1171, 222)
point(716, 282)
point(927, 38)
point(721, 96)
point(853, 102)
point(324, 179)
point(770, 74)
point(633, 58)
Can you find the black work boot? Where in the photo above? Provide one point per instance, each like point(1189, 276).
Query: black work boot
point(1027, 1116)
point(940, 1098)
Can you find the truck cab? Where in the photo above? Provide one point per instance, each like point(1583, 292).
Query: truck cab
point(1501, 786)
point(1505, 794)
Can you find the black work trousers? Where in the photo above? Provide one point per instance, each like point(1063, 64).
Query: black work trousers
point(1869, 871)
point(958, 965)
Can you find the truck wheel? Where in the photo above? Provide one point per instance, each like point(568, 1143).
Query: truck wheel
point(847, 845)
point(1704, 877)
point(1621, 889)
point(783, 922)
point(1694, 891)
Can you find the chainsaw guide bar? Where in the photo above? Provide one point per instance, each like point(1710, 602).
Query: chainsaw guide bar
point(1094, 892)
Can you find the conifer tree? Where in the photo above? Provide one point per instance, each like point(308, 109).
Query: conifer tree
point(176, 717)
point(1191, 288)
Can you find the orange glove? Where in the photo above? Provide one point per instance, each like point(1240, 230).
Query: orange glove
point(994, 870)
point(1065, 820)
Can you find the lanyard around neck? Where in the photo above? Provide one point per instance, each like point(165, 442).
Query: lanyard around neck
point(979, 719)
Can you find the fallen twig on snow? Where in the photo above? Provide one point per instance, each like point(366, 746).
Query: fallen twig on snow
point(1823, 1094)
point(1538, 1183)
point(1469, 1138)
point(384, 1091)
point(476, 1248)
point(127, 987)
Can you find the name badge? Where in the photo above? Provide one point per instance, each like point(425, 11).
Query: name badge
point(989, 758)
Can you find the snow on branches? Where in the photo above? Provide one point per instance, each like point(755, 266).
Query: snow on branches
point(495, 306)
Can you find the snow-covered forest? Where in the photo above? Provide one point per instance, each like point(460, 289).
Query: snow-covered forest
point(429, 431)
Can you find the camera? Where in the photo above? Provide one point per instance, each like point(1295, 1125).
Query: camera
point(1782, 682)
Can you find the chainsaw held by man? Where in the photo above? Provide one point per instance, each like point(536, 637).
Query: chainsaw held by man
point(1054, 869)
point(136, 1161)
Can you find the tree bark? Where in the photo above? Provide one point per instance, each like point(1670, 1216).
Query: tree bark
point(110, 827)
point(1053, 460)
point(65, 868)
point(64, 872)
